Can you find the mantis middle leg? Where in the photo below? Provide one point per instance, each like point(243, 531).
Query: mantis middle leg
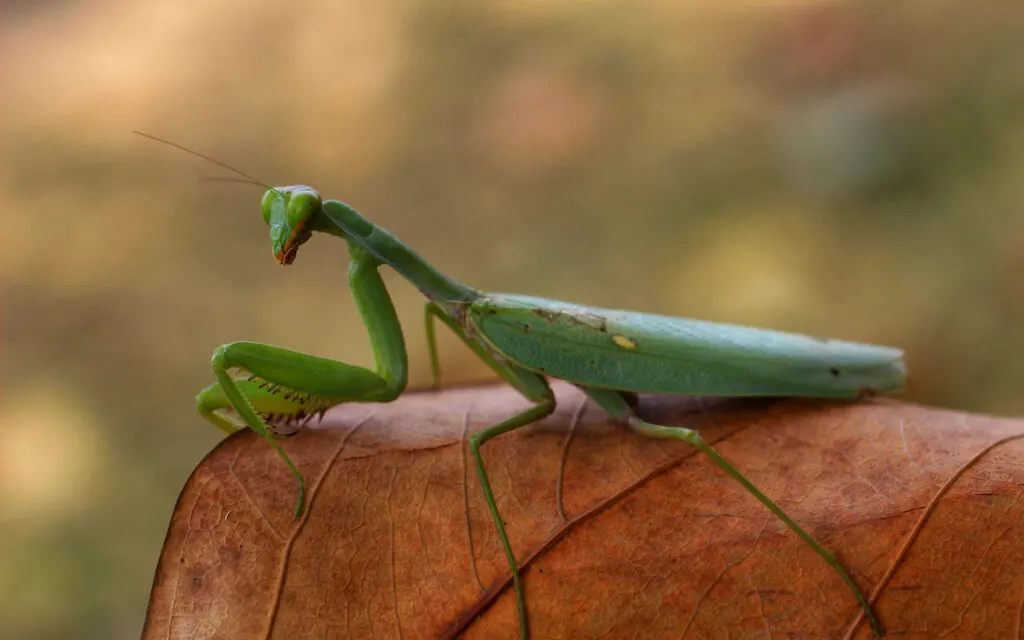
point(535, 388)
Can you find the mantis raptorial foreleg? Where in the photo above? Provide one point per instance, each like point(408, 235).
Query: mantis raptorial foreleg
point(616, 404)
point(297, 386)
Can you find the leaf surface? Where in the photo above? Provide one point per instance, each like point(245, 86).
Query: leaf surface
point(621, 536)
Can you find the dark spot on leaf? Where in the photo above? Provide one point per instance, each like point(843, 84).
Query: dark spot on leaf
point(834, 372)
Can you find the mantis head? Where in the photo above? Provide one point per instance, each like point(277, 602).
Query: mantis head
point(290, 213)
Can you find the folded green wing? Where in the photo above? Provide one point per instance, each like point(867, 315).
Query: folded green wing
point(650, 353)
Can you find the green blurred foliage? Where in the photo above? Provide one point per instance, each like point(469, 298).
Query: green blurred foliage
point(845, 170)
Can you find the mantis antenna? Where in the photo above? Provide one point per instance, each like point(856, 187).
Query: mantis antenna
point(248, 178)
point(233, 180)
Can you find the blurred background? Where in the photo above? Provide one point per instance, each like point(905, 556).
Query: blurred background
point(849, 170)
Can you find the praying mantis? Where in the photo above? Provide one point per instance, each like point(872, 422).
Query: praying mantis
point(611, 355)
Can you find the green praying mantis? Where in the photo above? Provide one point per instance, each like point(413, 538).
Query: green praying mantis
point(610, 355)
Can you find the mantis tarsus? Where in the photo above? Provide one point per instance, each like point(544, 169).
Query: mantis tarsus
point(610, 355)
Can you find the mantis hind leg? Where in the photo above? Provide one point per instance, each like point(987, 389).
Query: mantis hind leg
point(616, 404)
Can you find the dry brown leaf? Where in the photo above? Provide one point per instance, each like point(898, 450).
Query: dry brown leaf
point(622, 536)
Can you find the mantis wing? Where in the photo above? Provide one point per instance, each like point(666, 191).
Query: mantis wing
point(649, 353)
